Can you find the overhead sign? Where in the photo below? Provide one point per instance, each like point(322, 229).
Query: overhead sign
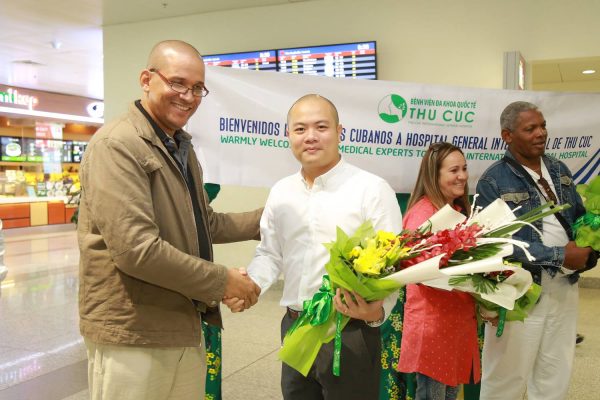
point(37, 103)
point(12, 96)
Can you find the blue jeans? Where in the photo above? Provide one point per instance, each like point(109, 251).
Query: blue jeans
point(430, 389)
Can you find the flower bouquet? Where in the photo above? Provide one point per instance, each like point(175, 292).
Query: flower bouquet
point(449, 252)
point(587, 227)
point(357, 263)
point(474, 250)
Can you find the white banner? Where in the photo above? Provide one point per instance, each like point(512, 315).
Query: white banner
point(239, 130)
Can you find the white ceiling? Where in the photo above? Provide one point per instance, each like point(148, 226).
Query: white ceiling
point(56, 45)
point(27, 57)
point(565, 75)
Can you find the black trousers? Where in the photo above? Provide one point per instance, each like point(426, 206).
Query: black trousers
point(360, 367)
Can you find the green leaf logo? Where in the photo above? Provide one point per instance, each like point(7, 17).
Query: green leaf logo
point(392, 108)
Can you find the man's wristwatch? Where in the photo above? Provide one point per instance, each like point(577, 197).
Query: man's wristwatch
point(375, 324)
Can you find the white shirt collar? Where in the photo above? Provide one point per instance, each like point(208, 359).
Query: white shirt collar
point(328, 176)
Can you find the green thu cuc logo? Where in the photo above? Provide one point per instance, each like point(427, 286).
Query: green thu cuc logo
point(392, 108)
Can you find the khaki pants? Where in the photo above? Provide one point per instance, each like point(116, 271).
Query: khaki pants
point(144, 373)
point(537, 354)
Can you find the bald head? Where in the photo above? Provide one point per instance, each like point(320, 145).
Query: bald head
point(326, 102)
point(174, 70)
point(164, 51)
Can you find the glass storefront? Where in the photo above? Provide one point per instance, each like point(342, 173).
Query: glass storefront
point(43, 137)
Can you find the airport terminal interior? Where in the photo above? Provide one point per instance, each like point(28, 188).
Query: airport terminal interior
point(42, 355)
point(67, 66)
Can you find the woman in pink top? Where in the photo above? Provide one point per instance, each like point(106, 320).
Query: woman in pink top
point(439, 338)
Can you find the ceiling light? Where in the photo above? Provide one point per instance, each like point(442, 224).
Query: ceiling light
point(27, 62)
point(588, 71)
point(56, 44)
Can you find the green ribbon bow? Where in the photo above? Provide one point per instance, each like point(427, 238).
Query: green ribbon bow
point(317, 310)
point(588, 219)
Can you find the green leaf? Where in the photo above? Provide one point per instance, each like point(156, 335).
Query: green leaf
point(529, 217)
point(481, 284)
point(476, 253)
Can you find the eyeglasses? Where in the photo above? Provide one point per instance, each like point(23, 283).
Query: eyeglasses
point(198, 91)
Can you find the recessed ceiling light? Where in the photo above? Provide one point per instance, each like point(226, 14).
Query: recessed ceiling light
point(588, 71)
point(56, 44)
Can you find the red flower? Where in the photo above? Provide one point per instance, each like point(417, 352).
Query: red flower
point(461, 237)
point(499, 276)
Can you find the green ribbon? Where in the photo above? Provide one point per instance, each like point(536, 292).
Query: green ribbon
point(319, 307)
point(316, 311)
point(337, 344)
point(588, 219)
point(501, 319)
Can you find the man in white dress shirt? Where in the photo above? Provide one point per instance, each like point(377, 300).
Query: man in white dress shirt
point(301, 214)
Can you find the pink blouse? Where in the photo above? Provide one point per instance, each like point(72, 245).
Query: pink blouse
point(439, 336)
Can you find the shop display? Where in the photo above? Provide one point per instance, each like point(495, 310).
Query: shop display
point(78, 148)
point(11, 149)
point(67, 151)
point(12, 183)
point(40, 155)
point(44, 150)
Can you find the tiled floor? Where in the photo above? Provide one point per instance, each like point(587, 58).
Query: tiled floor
point(42, 355)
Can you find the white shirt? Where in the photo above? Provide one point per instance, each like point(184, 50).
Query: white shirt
point(553, 232)
point(298, 220)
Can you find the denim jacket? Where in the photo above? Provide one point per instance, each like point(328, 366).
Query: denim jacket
point(502, 180)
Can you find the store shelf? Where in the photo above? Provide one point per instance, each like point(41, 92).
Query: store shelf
point(18, 212)
point(32, 164)
point(25, 199)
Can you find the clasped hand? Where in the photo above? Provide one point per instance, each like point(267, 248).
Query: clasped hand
point(241, 292)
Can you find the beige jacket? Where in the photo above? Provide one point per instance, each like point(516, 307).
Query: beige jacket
point(142, 280)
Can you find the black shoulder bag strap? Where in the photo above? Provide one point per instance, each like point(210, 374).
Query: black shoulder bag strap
point(529, 179)
point(593, 258)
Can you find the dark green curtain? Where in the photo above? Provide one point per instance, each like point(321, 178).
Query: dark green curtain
point(395, 385)
point(212, 335)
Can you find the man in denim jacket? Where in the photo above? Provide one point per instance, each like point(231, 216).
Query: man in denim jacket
point(536, 355)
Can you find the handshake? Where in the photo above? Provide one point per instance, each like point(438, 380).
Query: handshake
point(241, 292)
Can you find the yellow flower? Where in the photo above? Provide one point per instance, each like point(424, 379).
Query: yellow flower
point(355, 253)
point(384, 237)
point(370, 261)
point(395, 253)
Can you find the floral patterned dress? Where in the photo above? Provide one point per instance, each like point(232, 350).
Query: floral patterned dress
point(394, 385)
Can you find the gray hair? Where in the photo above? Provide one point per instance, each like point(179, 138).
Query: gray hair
point(510, 115)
